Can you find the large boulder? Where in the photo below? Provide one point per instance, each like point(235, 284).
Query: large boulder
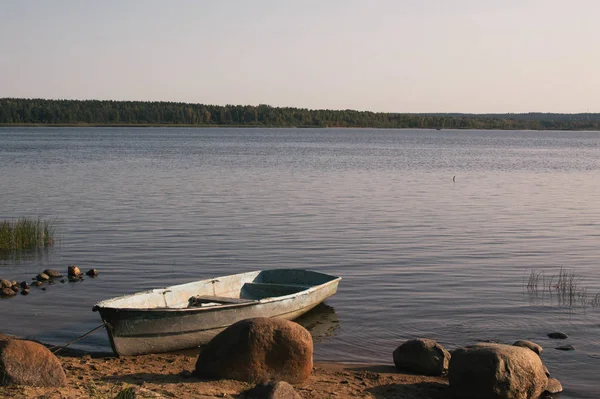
point(422, 356)
point(496, 371)
point(258, 350)
point(29, 363)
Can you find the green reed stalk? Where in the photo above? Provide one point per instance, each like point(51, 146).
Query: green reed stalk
point(26, 234)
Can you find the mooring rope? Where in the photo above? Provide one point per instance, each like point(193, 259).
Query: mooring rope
point(76, 339)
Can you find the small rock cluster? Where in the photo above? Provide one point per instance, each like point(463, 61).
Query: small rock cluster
point(48, 276)
point(482, 371)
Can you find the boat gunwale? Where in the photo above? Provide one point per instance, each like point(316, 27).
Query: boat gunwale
point(99, 307)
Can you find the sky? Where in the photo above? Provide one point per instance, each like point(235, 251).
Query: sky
point(473, 56)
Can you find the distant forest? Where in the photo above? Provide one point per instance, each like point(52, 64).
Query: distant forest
point(15, 111)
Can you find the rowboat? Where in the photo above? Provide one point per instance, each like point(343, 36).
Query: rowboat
point(189, 315)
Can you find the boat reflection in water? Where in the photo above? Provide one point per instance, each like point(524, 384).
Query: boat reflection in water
point(322, 322)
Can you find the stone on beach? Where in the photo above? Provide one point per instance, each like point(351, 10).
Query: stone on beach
point(422, 356)
point(496, 371)
point(530, 345)
point(258, 350)
point(42, 277)
point(29, 363)
point(5, 283)
point(136, 392)
point(272, 390)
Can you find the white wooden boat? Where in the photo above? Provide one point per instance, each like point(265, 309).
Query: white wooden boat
point(189, 315)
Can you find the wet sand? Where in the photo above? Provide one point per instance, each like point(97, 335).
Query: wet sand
point(169, 375)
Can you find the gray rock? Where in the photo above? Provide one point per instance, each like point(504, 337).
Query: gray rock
point(422, 356)
point(565, 348)
point(554, 386)
point(52, 273)
point(529, 345)
point(272, 390)
point(496, 371)
point(558, 335)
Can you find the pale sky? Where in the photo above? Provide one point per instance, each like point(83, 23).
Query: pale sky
point(378, 55)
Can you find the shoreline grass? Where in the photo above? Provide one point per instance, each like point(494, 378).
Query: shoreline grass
point(26, 234)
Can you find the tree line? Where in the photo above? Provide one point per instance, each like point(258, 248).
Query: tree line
point(115, 113)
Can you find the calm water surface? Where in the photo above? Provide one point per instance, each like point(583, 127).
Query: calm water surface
point(419, 254)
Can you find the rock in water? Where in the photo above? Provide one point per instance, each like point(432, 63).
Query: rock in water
point(7, 292)
point(42, 277)
point(565, 348)
point(73, 271)
point(530, 345)
point(92, 272)
point(258, 350)
point(496, 371)
point(5, 284)
point(554, 386)
point(558, 335)
point(29, 363)
point(52, 273)
point(422, 356)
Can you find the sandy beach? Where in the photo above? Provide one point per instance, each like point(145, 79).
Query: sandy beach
point(169, 375)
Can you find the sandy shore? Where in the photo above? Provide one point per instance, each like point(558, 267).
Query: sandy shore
point(103, 376)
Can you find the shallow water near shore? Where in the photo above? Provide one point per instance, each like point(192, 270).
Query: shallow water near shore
point(420, 255)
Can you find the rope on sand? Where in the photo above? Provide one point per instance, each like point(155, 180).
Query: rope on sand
point(58, 347)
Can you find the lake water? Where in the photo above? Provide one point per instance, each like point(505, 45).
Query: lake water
point(420, 255)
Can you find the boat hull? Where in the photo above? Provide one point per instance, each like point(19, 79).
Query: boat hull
point(142, 331)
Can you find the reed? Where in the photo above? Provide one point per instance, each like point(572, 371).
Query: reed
point(26, 234)
point(566, 287)
point(534, 280)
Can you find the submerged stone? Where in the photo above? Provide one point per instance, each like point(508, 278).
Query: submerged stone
point(558, 335)
point(52, 273)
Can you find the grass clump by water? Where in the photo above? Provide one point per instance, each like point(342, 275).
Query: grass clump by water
point(26, 234)
point(567, 287)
